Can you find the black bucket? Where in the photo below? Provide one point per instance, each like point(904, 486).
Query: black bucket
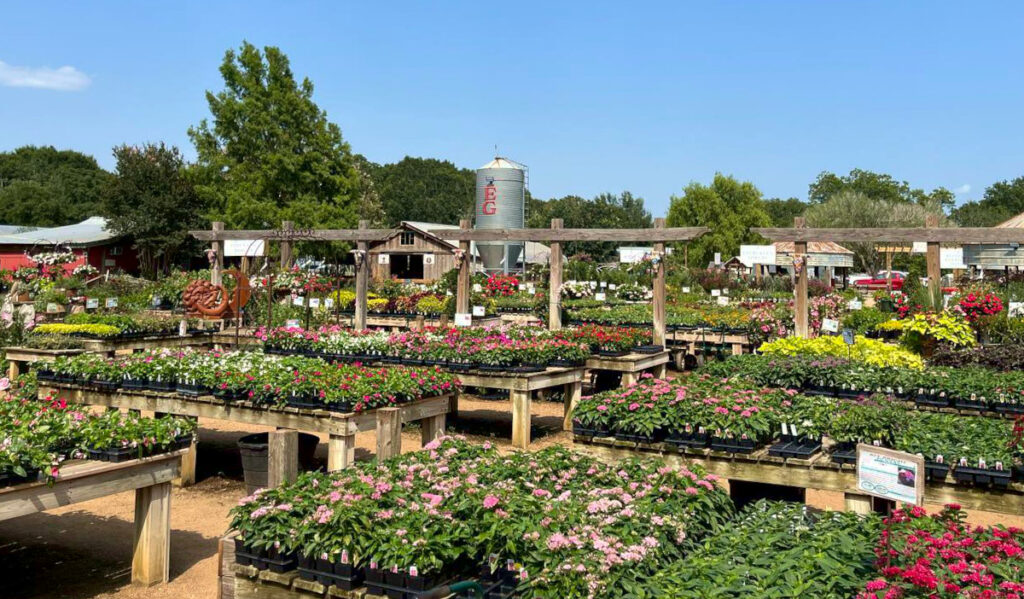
point(254, 451)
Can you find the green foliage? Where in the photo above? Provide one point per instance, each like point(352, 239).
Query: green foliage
point(1002, 201)
point(270, 154)
point(45, 187)
point(782, 212)
point(728, 207)
point(152, 201)
point(424, 189)
point(606, 211)
point(878, 187)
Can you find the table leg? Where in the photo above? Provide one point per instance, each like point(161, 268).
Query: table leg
point(341, 452)
point(151, 548)
point(282, 457)
point(628, 378)
point(431, 428)
point(389, 433)
point(737, 349)
point(520, 418)
point(572, 394)
point(858, 504)
point(453, 405)
point(660, 371)
point(13, 369)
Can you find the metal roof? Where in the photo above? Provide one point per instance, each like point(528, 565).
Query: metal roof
point(813, 247)
point(536, 253)
point(90, 231)
point(1016, 222)
point(500, 162)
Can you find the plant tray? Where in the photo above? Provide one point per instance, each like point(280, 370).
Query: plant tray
point(934, 401)
point(1009, 408)
point(618, 353)
point(649, 349)
point(802, 449)
point(967, 404)
point(846, 456)
point(982, 476)
point(732, 445)
point(935, 471)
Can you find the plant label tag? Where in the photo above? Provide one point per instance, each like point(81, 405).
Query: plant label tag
point(111, 302)
point(716, 293)
point(1016, 309)
point(848, 336)
point(299, 301)
point(477, 288)
point(723, 301)
point(600, 296)
point(686, 290)
point(522, 287)
point(855, 304)
point(314, 302)
point(531, 289)
point(157, 300)
point(785, 428)
point(613, 287)
point(52, 308)
point(329, 302)
point(479, 311)
point(91, 303)
point(830, 325)
point(463, 319)
point(604, 284)
point(890, 474)
point(292, 323)
point(383, 259)
point(183, 328)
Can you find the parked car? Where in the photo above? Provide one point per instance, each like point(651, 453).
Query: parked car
point(879, 281)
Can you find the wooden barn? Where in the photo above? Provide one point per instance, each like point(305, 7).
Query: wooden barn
point(411, 254)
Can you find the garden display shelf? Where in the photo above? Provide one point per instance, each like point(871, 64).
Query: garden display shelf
point(632, 365)
point(341, 427)
point(18, 358)
point(111, 346)
point(817, 472)
point(84, 480)
point(700, 341)
point(402, 322)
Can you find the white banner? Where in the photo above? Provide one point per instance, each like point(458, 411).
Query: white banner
point(757, 254)
point(244, 247)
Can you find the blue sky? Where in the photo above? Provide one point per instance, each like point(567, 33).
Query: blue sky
point(592, 96)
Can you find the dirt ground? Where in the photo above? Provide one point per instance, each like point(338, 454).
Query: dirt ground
point(84, 551)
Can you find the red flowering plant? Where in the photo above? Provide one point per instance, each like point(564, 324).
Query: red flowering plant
point(977, 304)
point(942, 556)
point(500, 285)
point(898, 301)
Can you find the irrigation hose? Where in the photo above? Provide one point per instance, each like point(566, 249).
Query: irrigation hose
point(455, 587)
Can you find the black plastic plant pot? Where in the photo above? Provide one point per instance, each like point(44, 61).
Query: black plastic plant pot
point(343, 407)
point(968, 404)
point(105, 386)
point(96, 454)
point(1009, 408)
point(122, 454)
point(528, 368)
point(932, 400)
point(612, 353)
point(582, 431)
point(181, 442)
point(279, 563)
point(492, 367)
point(935, 471)
point(304, 401)
point(191, 390)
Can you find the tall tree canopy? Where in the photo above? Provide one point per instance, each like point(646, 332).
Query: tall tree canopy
point(606, 211)
point(151, 200)
point(1002, 200)
point(424, 189)
point(728, 207)
point(782, 212)
point(877, 186)
point(270, 153)
point(47, 187)
point(856, 209)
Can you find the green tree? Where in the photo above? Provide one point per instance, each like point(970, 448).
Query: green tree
point(425, 189)
point(729, 208)
point(270, 154)
point(877, 186)
point(152, 201)
point(1002, 200)
point(606, 211)
point(782, 212)
point(46, 187)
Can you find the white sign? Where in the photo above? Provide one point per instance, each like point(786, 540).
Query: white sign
point(919, 247)
point(463, 320)
point(830, 325)
point(244, 247)
point(477, 288)
point(613, 287)
point(428, 259)
point(292, 323)
point(91, 303)
point(522, 287)
point(111, 302)
point(328, 303)
point(757, 254)
point(531, 289)
point(716, 292)
point(604, 284)
point(890, 474)
point(632, 255)
point(686, 290)
point(52, 308)
point(600, 296)
point(854, 304)
point(383, 259)
point(157, 300)
point(952, 258)
point(299, 301)
point(723, 301)
point(108, 262)
point(718, 257)
point(1016, 309)
point(479, 311)
point(314, 302)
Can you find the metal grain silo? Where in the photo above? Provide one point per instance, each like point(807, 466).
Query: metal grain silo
point(500, 204)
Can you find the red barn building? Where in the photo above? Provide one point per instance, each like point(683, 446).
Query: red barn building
point(89, 240)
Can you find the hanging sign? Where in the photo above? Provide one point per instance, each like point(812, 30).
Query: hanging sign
point(428, 259)
point(244, 247)
point(890, 474)
point(463, 320)
point(383, 259)
point(952, 258)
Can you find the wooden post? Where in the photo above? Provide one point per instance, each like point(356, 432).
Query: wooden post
point(520, 418)
point(217, 268)
point(555, 284)
point(932, 260)
point(463, 287)
point(389, 433)
point(282, 457)
point(286, 246)
point(659, 288)
point(13, 369)
point(888, 270)
point(800, 317)
point(571, 397)
point(431, 428)
point(341, 452)
point(362, 281)
point(858, 504)
point(151, 545)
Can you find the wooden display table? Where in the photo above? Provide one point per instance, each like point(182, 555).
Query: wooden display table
point(632, 365)
point(83, 480)
point(521, 387)
point(111, 347)
point(686, 342)
point(341, 428)
point(18, 358)
point(818, 472)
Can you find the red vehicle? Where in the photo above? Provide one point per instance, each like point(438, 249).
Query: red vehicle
point(880, 282)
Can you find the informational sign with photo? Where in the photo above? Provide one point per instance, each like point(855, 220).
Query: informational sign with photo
point(830, 325)
point(890, 474)
point(600, 296)
point(463, 320)
point(328, 303)
point(314, 302)
point(92, 303)
point(292, 323)
point(299, 301)
point(723, 301)
point(479, 311)
point(855, 304)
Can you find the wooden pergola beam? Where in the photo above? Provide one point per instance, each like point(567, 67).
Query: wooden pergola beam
point(296, 234)
point(925, 234)
point(564, 235)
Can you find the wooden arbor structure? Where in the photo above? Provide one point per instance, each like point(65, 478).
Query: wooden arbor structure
point(555, 236)
point(930, 234)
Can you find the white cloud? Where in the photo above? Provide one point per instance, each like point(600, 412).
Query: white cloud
point(965, 188)
point(61, 79)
